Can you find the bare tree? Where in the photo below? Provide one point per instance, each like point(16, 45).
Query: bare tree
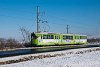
point(26, 35)
point(2, 43)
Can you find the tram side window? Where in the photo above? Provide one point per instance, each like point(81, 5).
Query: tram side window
point(52, 37)
point(41, 36)
point(56, 37)
point(64, 37)
point(76, 37)
point(44, 36)
point(83, 37)
point(69, 37)
point(59, 37)
point(48, 37)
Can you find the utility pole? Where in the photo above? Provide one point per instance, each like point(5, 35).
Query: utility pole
point(67, 28)
point(38, 20)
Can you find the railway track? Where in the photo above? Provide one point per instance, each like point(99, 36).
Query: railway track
point(42, 49)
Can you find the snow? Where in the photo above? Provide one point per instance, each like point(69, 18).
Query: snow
point(88, 59)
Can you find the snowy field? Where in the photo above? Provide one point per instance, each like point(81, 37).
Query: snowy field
point(71, 58)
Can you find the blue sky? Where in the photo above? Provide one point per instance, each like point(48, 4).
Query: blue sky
point(82, 16)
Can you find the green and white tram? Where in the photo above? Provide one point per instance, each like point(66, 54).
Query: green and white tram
point(44, 39)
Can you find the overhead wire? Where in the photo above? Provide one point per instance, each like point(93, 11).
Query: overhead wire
point(79, 25)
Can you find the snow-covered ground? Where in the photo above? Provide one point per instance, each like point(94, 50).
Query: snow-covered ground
point(84, 57)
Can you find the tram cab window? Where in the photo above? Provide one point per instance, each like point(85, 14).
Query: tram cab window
point(33, 37)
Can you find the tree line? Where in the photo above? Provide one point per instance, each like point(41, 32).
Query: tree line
point(10, 44)
point(94, 40)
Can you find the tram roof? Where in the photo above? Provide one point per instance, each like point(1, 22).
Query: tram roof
point(59, 33)
point(47, 33)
